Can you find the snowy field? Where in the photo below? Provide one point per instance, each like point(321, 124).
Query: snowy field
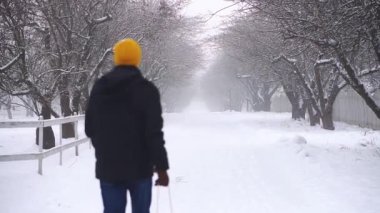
point(220, 163)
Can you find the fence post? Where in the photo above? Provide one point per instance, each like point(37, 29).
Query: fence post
point(76, 137)
point(60, 144)
point(40, 145)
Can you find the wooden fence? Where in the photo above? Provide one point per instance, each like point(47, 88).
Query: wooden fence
point(42, 154)
point(349, 107)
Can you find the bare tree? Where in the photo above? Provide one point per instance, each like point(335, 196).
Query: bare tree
point(349, 30)
point(221, 88)
point(243, 41)
point(57, 49)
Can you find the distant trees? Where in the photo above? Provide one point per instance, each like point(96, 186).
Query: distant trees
point(54, 50)
point(312, 48)
point(6, 103)
point(244, 42)
point(51, 43)
point(221, 88)
point(347, 32)
point(171, 55)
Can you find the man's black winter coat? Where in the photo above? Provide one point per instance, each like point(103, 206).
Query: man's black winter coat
point(124, 122)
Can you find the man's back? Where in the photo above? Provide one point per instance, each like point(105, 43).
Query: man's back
point(124, 122)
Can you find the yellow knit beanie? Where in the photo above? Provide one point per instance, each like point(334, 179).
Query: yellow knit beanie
point(127, 52)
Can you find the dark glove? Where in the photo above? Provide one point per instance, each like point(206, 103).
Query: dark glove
point(163, 178)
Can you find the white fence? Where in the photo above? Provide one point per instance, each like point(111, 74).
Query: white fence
point(349, 107)
point(42, 154)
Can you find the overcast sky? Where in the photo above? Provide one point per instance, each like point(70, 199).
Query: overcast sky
point(205, 8)
point(197, 7)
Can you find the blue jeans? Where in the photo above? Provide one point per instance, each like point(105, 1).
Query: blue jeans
point(115, 196)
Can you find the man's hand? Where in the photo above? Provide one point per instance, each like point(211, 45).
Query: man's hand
point(163, 178)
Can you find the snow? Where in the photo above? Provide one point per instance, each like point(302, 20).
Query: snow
point(103, 19)
point(244, 76)
point(220, 162)
point(332, 42)
point(325, 61)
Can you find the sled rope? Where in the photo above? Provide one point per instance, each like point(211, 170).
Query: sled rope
point(158, 198)
point(170, 200)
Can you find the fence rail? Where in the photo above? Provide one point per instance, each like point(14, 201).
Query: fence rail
point(42, 154)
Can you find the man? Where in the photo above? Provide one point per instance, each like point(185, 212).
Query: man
point(124, 122)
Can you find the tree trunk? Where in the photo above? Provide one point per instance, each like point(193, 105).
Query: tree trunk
point(263, 106)
point(296, 112)
point(76, 101)
point(303, 110)
point(9, 108)
point(296, 108)
point(266, 100)
point(327, 120)
point(84, 100)
point(356, 84)
point(67, 128)
point(267, 103)
point(29, 111)
point(64, 95)
point(48, 136)
point(313, 117)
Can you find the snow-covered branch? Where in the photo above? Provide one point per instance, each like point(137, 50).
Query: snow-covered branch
point(103, 19)
point(20, 93)
point(321, 62)
point(367, 72)
point(10, 63)
point(95, 70)
point(290, 61)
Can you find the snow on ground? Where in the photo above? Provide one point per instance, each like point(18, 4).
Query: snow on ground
point(196, 106)
point(220, 163)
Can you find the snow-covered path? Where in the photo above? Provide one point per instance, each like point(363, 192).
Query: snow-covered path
point(223, 163)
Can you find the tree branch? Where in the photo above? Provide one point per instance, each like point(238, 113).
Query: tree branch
point(10, 63)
